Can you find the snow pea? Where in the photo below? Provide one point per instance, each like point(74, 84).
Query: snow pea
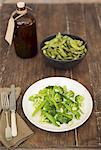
point(51, 118)
point(64, 48)
point(38, 108)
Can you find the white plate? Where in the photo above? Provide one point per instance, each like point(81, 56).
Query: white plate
point(61, 81)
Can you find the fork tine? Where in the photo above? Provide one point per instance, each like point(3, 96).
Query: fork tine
point(4, 101)
point(7, 100)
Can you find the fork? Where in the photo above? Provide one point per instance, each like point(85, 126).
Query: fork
point(5, 107)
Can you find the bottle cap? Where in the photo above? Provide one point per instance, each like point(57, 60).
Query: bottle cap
point(20, 4)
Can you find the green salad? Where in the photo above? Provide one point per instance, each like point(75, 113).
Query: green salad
point(63, 47)
point(57, 105)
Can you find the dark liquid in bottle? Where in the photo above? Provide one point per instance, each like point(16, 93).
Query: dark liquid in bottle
point(25, 37)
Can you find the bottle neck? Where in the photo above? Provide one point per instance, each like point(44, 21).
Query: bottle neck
point(21, 10)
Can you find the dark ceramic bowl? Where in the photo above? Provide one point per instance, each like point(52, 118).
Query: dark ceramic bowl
point(61, 64)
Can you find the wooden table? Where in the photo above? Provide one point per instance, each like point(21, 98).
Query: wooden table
point(78, 19)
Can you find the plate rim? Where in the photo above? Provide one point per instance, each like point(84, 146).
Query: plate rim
point(62, 130)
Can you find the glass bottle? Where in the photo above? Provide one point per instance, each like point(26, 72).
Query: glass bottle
point(25, 36)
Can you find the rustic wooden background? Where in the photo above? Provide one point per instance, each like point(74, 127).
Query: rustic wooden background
point(79, 19)
point(52, 1)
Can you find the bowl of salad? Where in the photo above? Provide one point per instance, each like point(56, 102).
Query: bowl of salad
point(63, 50)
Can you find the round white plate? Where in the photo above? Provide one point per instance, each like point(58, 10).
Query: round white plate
point(61, 81)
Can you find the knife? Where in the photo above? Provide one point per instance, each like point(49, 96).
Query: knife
point(13, 109)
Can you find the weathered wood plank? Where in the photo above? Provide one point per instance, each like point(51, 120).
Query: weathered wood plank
point(55, 148)
point(50, 23)
point(53, 1)
point(93, 20)
point(86, 134)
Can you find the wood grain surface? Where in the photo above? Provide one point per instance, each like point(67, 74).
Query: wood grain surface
point(52, 1)
point(79, 19)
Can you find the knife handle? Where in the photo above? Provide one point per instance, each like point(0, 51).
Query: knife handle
point(13, 124)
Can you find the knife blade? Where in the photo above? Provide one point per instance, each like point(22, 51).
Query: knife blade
point(12, 98)
point(13, 109)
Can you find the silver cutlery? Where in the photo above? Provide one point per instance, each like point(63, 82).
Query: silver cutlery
point(5, 107)
point(13, 109)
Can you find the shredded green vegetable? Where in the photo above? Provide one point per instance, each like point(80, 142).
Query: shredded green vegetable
point(57, 104)
point(64, 48)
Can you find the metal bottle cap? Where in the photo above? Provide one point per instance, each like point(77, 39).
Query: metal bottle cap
point(20, 4)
